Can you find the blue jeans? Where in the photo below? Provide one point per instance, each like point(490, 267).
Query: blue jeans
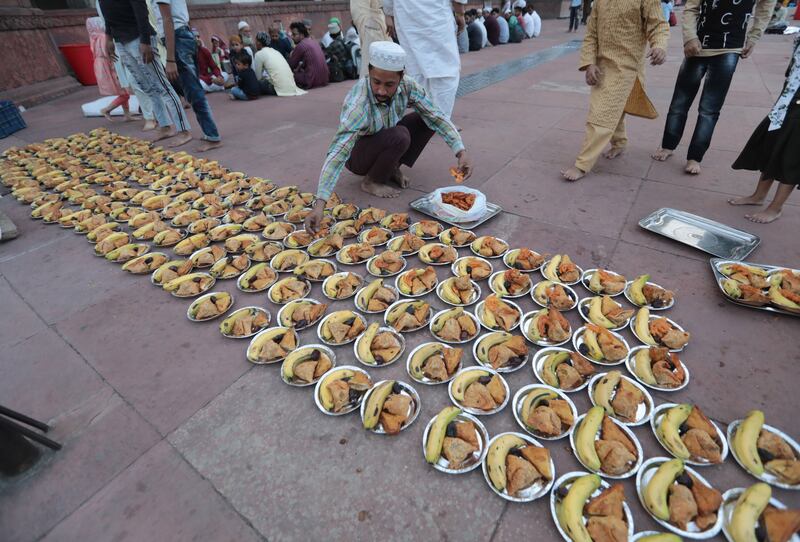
point(185, 55)
point(239, 94)
point(718, 72)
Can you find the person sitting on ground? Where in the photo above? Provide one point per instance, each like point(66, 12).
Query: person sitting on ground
point(515, 31)
point(246, 35)
point(481, 20)
point(307, 59)
point(280, 43)
point(328, 37)
point(376, 135)
point(307, 24)
point(218, 51)
point(502, 24)
point(212, 79)
point(237, 48)
point(273, 72)
point(536, 20)
point(337, 54)
point(492, 28)
point(247, 87)
point(525, 23)
point(474, 33)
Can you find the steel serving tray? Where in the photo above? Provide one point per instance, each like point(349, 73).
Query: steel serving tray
point(716, 263)
point(423, 205)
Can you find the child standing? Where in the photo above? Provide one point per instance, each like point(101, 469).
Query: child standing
point(248, 87)
point(773, 149)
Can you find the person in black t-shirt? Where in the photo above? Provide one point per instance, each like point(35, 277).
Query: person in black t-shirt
point(248, 87)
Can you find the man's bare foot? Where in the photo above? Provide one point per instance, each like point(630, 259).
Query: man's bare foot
point(182, 138)
point(149, 125)
point(692, 167)
point(573, 174)
point(746, 200)
point(613, 152)
point(131, 117)
point(399, 178)
point(661, 154)
point(764, 217)
point(165, 132)
point(207, 145)
point(378, 189)
point(107, 114)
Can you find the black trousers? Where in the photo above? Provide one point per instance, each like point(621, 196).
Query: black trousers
point(718, 71)
point(573, 17)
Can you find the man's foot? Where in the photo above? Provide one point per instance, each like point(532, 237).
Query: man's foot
point(107, 114)
point(746, 200)
point(692, 167)
point(764, 217)
point(130, 117)
point(182, 138)
point(661, 154)
point(573, 174)
point(164, 133)
point(207, 145)
point(613, 152)
point(378, 189)
point(149, 125)
point(400, 179)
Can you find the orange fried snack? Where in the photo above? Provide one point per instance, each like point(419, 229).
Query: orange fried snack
point(460, 200)
point(457, 175)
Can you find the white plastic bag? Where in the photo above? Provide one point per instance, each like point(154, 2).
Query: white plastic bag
point(452, 213)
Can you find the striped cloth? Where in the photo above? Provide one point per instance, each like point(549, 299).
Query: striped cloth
point(362, 115)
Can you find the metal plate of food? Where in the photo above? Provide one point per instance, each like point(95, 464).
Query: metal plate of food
point(530, 397)
point(501, 286)
point(379, 266)
point(424, 206)
point(418, 357)
point(481, 351)
point(510, 259)
point(439, 318)
point(701, 233)
point(398, 387)
point(323, 397)
point(419, 229)
point(764, 302)
point(450, 294)
point(651, 318)
point(597, 287)
point(398, 282)
point(547, 292)
point(438, 254)
point(659, 414)
point(640, 366)
point(579, 341)
point(542, 357)
point(387, 293)
point(499, 448)
point(346, 318)
point(585, 310)
point(462, 267)
point(317, 270)
point(487, 246)
point(397, 243)
point(574, 436)
point(286, 316)
point(323, 357)
point(404, 305)
point(245, 323)
point(729, 500)
point(657, 304)
point(288, 289)
point(551, 270)
point(375, 236)
point(335, 289)
point(768, 477)
point(465, 237)
point(200, 284)
point(471, 462)
point(271, 345)
point(209, 306)
point(529, 320)
point(480, 309)
point(257, 278)
point(604, 387)
point(457, 388)
point(365, 353)
point(230, 267)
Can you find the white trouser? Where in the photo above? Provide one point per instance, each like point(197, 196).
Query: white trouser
point(213, 87)
point(442, 91)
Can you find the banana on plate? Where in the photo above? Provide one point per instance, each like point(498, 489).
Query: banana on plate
point(379, 346)
point(342, 327)
point(306, 365)
point(342, 285)
point(210, 306)
point(687, 433)
point(479, 390)
point(389, 407)
point(761, 450)
point(603, 445)
point(514, 464)
point(589, 510)
point(341, 390)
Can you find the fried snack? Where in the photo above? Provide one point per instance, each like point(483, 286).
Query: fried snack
point(437, 253)
point(474, 268)
point(273, 345)
point(502, 350)
point(607, 313)
point(356, 253)
point(344, 211)
point(409, 315)
point(343, 390)
point(525, 259)
point(288, 289)
point(370, 215)
point(239, 243)
point(263, 251)
point(454, 325)
point(489, 246)
point(305, 366)
point(606, 283)
point(417, 281)
point(145, 263)
point(435, 361)
point(375, 297)
point(244, 322)
point(288, 260)
point(665, 333)
point(342, 286)
point(294, 215)
point(408, 243)
point(276, 231)
point(200, 225)
point(326, 246)
point(549, 325)
point(387, 263)
point(376, 236)
point(171, 270)
point(657, 366)
point(302, 313)
point(601, 345)
point(395, 221)
point(315, 270)
point(511, 283)
point(342, 327)
point(191, 243)
point(458, 291)
point(457, 237)
point(208, 256)
point(210, 306)
point(499, 315)
point(553, 294)
point(426, 228)
point(189, 285)
point(561, 268)
point(458, 176)
point(259, 277)
point(298, 239)
point(256, 223)
point(479, 390)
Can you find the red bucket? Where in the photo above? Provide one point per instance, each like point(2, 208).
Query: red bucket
point(80, 59)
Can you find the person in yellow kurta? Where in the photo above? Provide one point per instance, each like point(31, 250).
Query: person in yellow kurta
point(613, 59)
point(370, 21)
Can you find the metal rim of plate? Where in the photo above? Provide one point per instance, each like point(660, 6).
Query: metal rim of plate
point(321, 260)
point(423, 206)
point(454, 267)
point(525, 322)
point(263, 244)
point(465, 245)
point(462, 341)
point(200, 251)
point(540, 491)
point(625, 429)
point(568, 479)
point(371, 261)
point(202, 298)
point(555, 279)
point(362, 237)
point(632, 326)
point(341, 261)
point(425, 380)
point(475, 411)
point(767, 478)
point(236, 276)
point(300, 246)
point(301, 300)
point(304, 258)
point(586, 276)
point(583, 310)
point(479, 310)
point(409, 391)
point(538, 362)
point(649, 404)
point(150, 255)
point(383, 329)
point(342, 274)
point(570, 292)
point(729, 499)
point(253, 290)
point(379, 311)
point(716, 262)
point(577, 341)
point(642, 534)
point(283, 224)
point(212, 281)
point(650, 466)
point(516, 407)
point(350, 408)
point(483, 435)
point(476, 253)
point(741, 243)
point(242, 236)
point(307, 290)
point(524, 292)
point(254, 340)
point(627, 294)
point(484, 363)
point(423, 294)
point(425, 260)
point(329, 317)
point(249, 308)
point(396, 304)
point(655, 420)
point(630, 363)
point(425, 236)
point(403, 252)
point(508, 254)
point(476, 293)
point(145, 248)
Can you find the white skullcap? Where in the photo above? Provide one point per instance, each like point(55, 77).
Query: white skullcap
point(243, 24)
point(520, 4)
point(387, 55)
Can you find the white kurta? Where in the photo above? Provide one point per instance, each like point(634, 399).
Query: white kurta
point(423, 29)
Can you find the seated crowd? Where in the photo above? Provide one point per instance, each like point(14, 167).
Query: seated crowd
point(492, 27)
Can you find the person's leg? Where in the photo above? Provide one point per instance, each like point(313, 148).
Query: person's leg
point(145, 105)
point(185, 51)
point(757, 197)
point(121, 100)
point(595, 140)
point(573, 18)
point(686, 86)
point(131, 59)
point(172, 103)
point(420, 136)
point(238, 94)
point(619, 140)
point(774, 209)
point(443, 91)
point(715, 88)
point(377, 157)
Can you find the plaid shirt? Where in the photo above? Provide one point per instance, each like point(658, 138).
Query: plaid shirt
point(362, 115)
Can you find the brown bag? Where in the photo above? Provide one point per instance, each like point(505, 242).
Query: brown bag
point(638, 104)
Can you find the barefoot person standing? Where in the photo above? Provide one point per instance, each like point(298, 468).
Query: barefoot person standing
point(774, 149)
point(375, 134)
point(613, 57)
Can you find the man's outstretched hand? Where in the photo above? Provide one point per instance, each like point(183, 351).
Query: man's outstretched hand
point(314, 218)
point(464, 165)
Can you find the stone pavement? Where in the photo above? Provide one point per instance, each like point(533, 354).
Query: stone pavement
point(170, 434)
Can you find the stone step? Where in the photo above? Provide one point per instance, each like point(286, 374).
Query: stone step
point(41, 92)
